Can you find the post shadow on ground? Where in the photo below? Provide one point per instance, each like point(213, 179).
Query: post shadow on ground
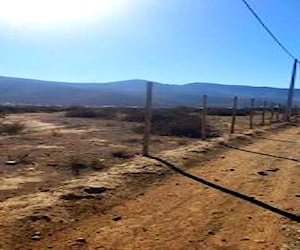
point(263, 138)
point(259, 153)
point(236, 194)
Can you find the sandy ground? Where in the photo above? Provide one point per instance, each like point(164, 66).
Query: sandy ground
point(244, 194)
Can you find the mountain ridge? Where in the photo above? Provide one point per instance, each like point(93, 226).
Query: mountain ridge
point(15, 90)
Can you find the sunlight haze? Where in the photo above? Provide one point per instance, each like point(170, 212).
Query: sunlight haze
point(168, 41)
point(50, 11)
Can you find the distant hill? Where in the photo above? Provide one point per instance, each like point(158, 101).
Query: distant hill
point(131, 93)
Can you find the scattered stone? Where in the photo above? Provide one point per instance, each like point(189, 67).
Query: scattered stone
point(216, 212)
point(95, 190)
point(263, 173)
point(211, 233)
point(74, 197)
point(36, 236)
point(244, 239)
point(272, 169)
point(297, 195)
point(232, 169)
point(260, 241)
point(11, 163)
point(52, 165)
point(34, 218)
point(81, 240)
point(44, 189)
point(117, 218)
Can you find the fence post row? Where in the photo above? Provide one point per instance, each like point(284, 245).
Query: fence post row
point(234, 107)
point(203, 120)
point(277, 112)
point(148, 114)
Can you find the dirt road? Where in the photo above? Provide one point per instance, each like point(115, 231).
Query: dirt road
point(251, 202)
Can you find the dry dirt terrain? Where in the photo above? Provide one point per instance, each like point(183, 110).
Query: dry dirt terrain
point(239, 192)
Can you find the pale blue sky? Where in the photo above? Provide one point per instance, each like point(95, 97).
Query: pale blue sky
point(169, 41)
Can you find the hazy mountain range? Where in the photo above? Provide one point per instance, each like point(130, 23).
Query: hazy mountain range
point(131, 93)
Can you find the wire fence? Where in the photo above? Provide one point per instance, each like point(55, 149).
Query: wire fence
point(235, 115)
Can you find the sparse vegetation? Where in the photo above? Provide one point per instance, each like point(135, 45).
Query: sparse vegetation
point(20, 159)
point(83, 112)
point(173, 122)
point(11, 128)
point(77, 164)
point(18, 109)
point(227, 111)
point(122, 154)
point(56, 132)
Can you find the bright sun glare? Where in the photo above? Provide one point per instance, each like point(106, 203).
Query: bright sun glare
point(49, 11)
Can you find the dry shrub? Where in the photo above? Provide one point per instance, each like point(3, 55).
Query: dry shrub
point(227, 111)
point(134, 115)
point(83, 112)
point(17, 109)
point(122, 154)
point(11, 128)
point(177, 122)
point(77, 164)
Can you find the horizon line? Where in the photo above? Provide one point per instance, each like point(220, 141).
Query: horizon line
point(95, 82)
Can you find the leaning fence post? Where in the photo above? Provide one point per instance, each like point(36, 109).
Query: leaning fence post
point(148, 114)
point(263, 114)
point(203, 117)
point(251, 113)
point(234, 107)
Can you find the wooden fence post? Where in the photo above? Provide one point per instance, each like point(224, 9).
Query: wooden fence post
point(263, 116)
point(278, 113)
point(234, 107)
point(281, 113)
point(272, 113)
point(251, 113)
point(148, 114)
point(203, 117)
